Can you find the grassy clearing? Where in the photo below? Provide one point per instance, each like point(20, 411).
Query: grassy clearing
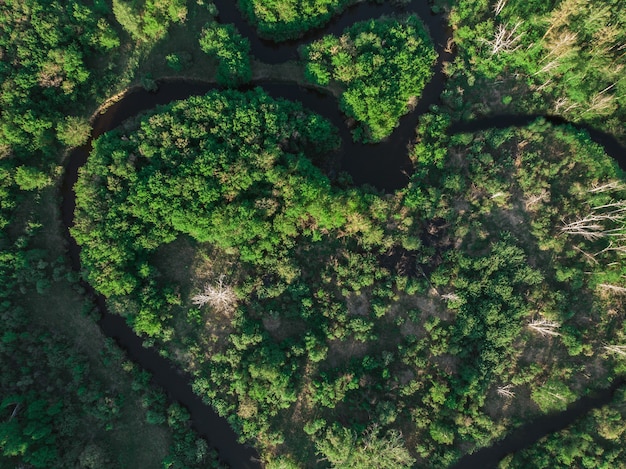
point(188, 265)
point(290, 72)
point(61, 309)
point(136, 62)
point(182, 39)
point(136, 443)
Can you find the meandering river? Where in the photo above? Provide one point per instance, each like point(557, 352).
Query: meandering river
point(385, 166)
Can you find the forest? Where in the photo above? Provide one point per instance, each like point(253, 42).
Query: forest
point(280, 20)
point(363, 61)
point(328, 323)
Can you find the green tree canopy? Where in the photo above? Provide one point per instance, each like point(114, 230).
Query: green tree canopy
point(383, 65)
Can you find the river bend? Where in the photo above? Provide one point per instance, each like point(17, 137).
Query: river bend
point(385, 166)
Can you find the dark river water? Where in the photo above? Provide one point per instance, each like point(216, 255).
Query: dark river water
point(385, 166)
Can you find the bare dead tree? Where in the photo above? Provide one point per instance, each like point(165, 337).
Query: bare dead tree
point(587, 227)
point(505, 391)
point(608, 186)
point(543, 85)
point(449, 45)
point(570, 107)
point(613, 288)
point(621, 204)
point(591, 257)
point(558, 396)
point(506, 40)
point(561, 102)
point(219, 296)
point(498, 7)
point(597, 224)
point(561, 16)
point(548, 67)
point(15, 411)
point(561, 46)
point(545, 327)
point(601, 102)
point(613, 247)
point(618, 349)
point(536, 199)
point(450, 297)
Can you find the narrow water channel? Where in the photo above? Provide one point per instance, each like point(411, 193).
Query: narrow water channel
point(176, 383)
point(384, 166)
point(530, 433)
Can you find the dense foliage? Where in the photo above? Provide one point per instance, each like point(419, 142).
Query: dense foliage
point(595, 441)
point(43, 73)
point(331, 325)
point(61, 409)
point(69, 399)
point(148, 19)
point(280, 20)
point(230, 147)
point(382, 65)
point(231, 50)
point(568, 58)
point(321, 313)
